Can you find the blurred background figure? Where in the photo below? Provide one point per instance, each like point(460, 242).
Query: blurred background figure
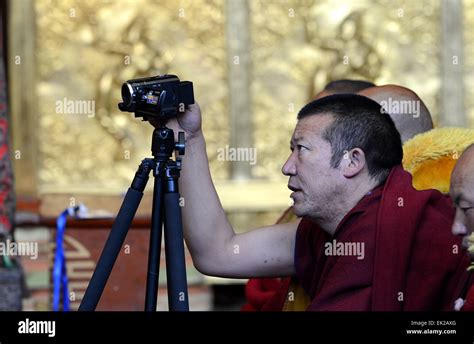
point(407, 110)
point(462, 193)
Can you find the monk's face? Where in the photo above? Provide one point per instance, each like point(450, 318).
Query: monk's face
point(315, 184)
point(462, 193)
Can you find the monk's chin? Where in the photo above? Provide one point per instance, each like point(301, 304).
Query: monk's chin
point(302, 212)
point(297, 209)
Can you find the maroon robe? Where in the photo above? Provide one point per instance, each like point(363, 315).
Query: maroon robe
point(469, 302)
point(411, 260)
point(467, 294)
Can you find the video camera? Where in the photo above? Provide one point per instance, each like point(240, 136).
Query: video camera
point(161, 96)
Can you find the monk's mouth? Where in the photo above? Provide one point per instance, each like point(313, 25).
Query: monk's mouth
point(293, 188)
point(294, 193)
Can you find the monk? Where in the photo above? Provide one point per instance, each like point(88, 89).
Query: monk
point(366, 239)
point(405, 107)
point(462, 193)
point(269, 294)
point(343, 86)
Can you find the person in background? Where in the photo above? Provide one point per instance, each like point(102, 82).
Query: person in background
point(462, 193)
point(405, 107)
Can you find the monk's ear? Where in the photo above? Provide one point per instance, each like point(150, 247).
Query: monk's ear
point(353, 162)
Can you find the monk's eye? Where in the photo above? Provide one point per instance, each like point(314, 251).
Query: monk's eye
point(465, 210)
point(301, 147)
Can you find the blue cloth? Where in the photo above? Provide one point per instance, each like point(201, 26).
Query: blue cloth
point(60, 280)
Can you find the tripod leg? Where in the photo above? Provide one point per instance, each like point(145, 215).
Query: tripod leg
point(116, 238)
point(155, 246)
point(174, 248)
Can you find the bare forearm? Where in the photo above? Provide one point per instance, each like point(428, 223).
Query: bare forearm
point(215, 249)
point(206, 227)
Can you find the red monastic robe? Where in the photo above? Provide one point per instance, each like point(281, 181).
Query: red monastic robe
point(410, 261)
point(469, 304)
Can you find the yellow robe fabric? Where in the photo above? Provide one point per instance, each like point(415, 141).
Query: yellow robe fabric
point(430, 157)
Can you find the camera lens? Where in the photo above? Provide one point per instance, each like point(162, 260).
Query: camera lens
point(127, 94)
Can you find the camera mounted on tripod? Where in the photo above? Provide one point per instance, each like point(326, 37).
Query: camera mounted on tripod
point(158, 98)
point(161, 97)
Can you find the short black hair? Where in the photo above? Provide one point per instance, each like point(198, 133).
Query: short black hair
point(347, 86)
point(359, 122)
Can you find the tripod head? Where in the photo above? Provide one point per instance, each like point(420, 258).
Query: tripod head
point(163, 144)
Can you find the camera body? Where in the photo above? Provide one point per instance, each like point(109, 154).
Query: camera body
point(161, 96)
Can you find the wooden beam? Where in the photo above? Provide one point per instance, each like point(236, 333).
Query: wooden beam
point(23, 102)
point(452, 63)
point(239, 81)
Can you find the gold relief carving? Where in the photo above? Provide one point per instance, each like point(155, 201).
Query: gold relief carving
point(299, 46)
point(86, 49)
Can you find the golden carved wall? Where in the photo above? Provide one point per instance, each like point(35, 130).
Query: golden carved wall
point(301, 45)
point(86, 49)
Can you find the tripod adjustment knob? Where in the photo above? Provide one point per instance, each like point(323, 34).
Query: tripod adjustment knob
point(180, 145)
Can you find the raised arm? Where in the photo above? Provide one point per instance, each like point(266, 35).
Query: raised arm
point(215, 248)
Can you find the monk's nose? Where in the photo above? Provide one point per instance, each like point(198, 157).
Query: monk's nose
point(289, 168)
point(459, 228)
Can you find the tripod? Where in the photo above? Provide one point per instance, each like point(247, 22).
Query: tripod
point(165, 210)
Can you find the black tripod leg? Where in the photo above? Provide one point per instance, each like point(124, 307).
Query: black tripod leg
point(155, 246)
point(116, 238)
point(174, 248)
